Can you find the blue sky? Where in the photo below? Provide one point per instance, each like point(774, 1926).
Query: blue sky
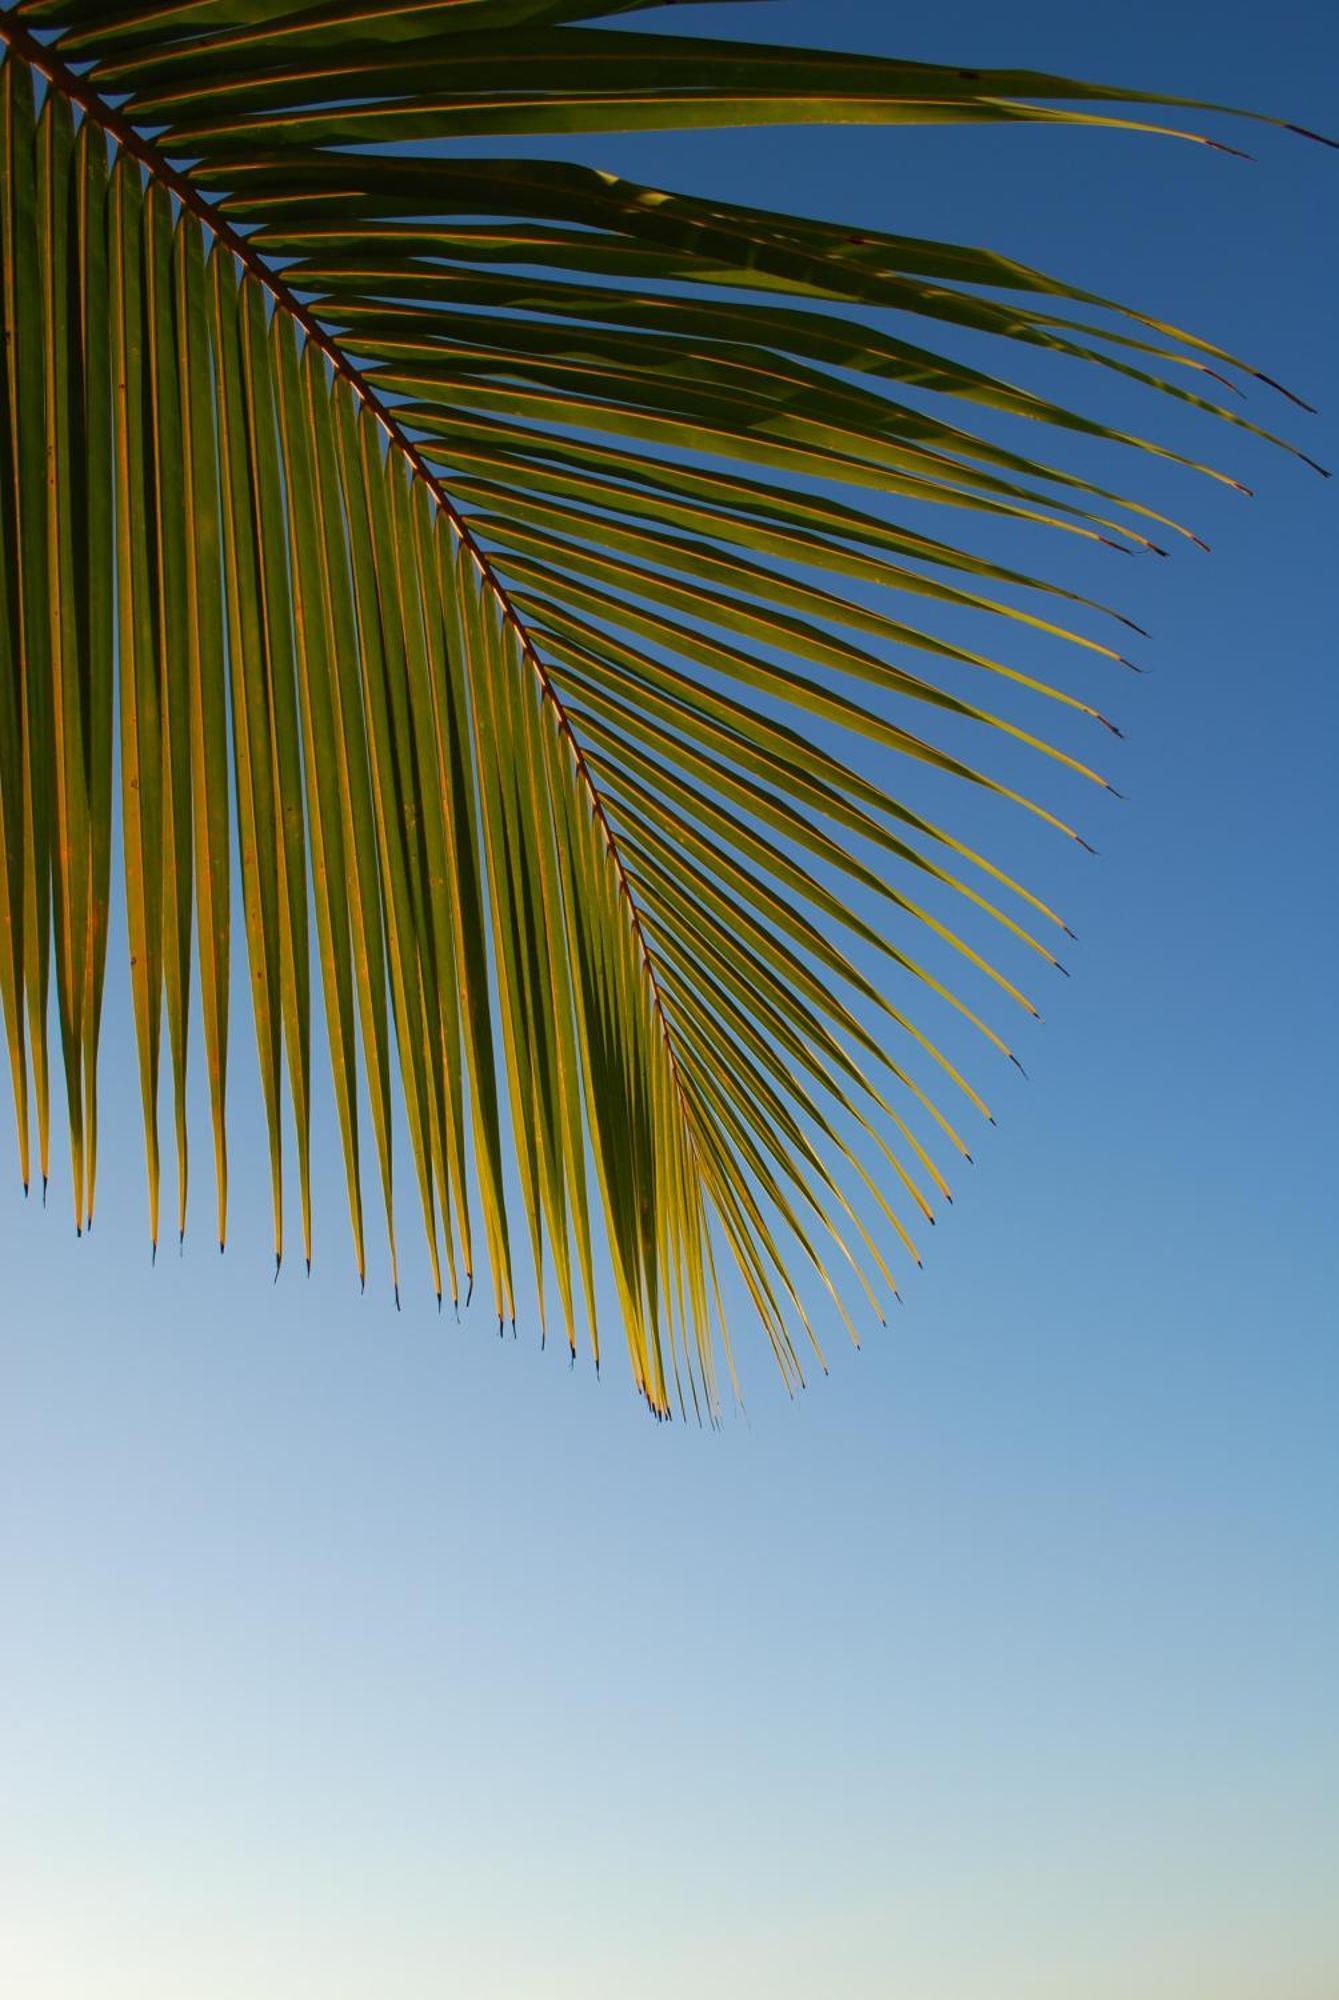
point(349, 1653)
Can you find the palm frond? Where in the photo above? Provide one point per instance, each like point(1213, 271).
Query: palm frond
point(457, 545)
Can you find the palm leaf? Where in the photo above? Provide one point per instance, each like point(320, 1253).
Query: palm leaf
point(485, 517)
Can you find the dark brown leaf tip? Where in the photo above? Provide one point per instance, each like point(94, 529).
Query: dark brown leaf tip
point(1305, 132)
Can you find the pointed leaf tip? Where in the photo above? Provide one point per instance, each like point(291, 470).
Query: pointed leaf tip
point(1282, 390)
point(1305, 132)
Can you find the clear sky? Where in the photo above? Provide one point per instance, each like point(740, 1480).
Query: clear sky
point(351, 1655)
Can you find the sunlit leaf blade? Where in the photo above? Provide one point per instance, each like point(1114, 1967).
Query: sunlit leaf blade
point(208, 700)
point(277, 723)
point(252, 24)
point(140, 726)
point(315, 641)
point(29, 605)
point(251, 737)
point(361, 883)
point(68, 774)
point(13, 842)
point(91, 499)
point(381, 640)
point(421, 583)
point(172, 646)
point(456, 776)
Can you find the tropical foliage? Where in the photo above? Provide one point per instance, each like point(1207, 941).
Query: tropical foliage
point(448, 559)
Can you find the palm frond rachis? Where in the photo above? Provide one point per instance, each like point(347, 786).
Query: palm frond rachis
point(452, 545)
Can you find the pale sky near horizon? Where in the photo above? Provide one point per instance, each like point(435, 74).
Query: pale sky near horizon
point(351, 1655)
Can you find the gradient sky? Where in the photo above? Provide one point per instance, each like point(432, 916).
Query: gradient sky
point(351, 1655)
